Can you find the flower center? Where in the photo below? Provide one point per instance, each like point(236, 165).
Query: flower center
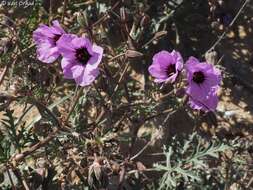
point(198, 77)
point(171, 69)
point(82, 55)
point(56, 38)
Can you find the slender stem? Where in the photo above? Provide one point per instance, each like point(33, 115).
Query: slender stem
point(14, 35)
point(120, 79)
point(25, 184)
point(100, 95)
point(10, 178)
point(106, 14)
point(64, 10)
point(142, 150)
point(121, 177)
point(137, 127)
point(116, 57)
point(2, 75)
point(23, 115)
point(230, 25)
point(250, 182)
point(50, 11)
point(79, 93)
point(40, 144)
point(20, 177)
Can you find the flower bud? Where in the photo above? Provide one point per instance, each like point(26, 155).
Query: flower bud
point(82, 18)
point(18, 157)
point(97, 178)
point(5, 45)
point(145, 20)
point(211, 57)
point(123, 14)
point(133, 54)
point(160, 34)
point(6, 21)
point(115, 168)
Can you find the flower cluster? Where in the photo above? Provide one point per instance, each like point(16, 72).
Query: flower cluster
point(203, 79)
point(80, 58)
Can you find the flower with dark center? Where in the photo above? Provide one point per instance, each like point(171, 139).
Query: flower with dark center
point(171, 69)
point(80, 59)
point(82, 55)
point(166, 66)
point(56, 38)
point(198, 77)
point(45, 38)
point(203, 82)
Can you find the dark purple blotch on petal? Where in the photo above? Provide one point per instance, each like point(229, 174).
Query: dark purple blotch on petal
point(166, 66)
point(82, 55)
point(203, 82)
point(56, 38)
point(198, 77)
point(45, 38)
point(81, 59)
point(171, 69)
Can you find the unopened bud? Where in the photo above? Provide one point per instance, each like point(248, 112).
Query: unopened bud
point(97, 178)
point(211, 57)
point(160, 34)
point(123, 14)
point(115, 168)
point(133, 54)
point(18, 157)
point(82, 19)
point(5, 44)
point(145, 21)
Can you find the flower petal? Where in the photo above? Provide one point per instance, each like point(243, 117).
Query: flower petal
point(44, 38)
point(87, 77)
point(66, 47)
point(212, 78)
point(208, 104)
point(85, 73)
point(66, 65)
point(46, 53)
point(156, 71)
point(96, 57)
point(162, 59)
point(57, 27)
point(43, 32)
point(161, 65)
point(77, 70)
point(82, 42)
point(177, 58)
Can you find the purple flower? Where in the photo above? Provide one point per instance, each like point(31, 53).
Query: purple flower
point(80, 58)
point(166, 66)
point(209, 103)
point(203, 82)
point(45, 38)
